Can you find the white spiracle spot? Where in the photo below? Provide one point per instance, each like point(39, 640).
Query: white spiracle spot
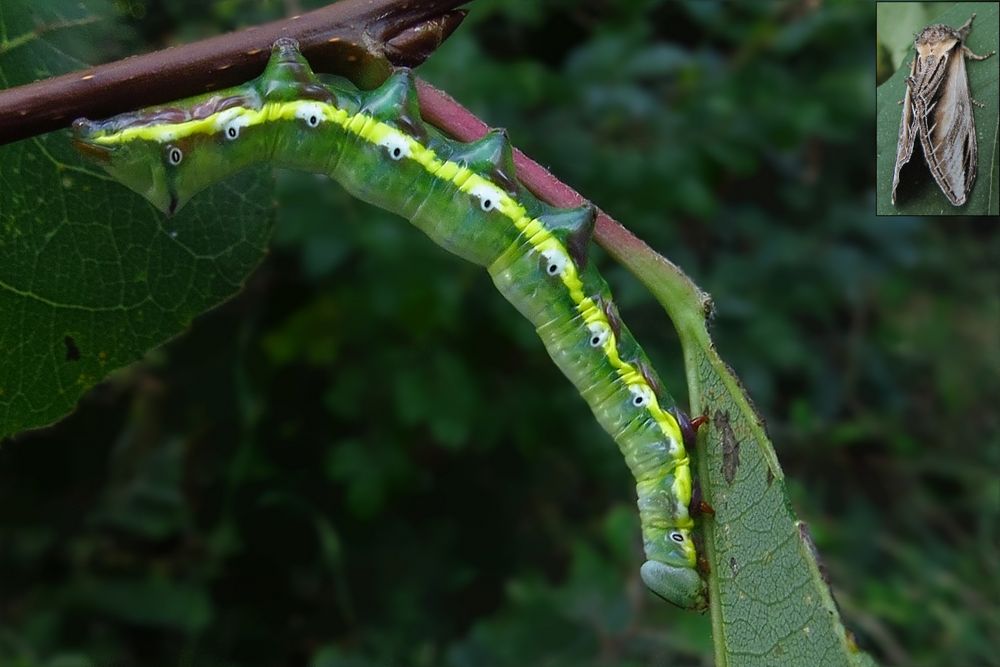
point(642, 395)
point(174, 155)
point(599, 333)
point(488, 196)
point(311, 112)
point(231, 122)
point(555, 262)
point(396, 146)
point(233, 127)
point(677, 536)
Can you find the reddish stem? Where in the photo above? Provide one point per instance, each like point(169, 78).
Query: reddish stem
point(441, 110)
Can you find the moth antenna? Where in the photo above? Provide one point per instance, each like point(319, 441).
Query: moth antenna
point(966, 27)
point(395, 101)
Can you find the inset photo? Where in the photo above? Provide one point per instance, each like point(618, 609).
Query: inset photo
point(937, 128)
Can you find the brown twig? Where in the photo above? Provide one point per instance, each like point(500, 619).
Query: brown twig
point(357, 37)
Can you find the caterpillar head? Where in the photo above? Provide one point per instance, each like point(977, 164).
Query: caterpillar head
point(170, 152)
point(136, 164)
point(167, 155)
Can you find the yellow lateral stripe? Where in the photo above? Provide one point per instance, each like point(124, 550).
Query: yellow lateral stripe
point(373, 131)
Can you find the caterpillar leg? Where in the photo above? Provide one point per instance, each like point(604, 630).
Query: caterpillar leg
point(700, 506)
point(681, 586)
point(689, 427)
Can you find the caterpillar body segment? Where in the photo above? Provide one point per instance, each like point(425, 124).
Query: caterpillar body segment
point(465, 197)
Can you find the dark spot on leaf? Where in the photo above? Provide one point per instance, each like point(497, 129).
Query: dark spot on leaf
point(72, 351)
point(734, 566)
point(730, 446)
point(770, 475)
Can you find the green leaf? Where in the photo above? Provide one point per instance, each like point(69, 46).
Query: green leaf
point(763, 568)
point(91, 276)
point(918, 193)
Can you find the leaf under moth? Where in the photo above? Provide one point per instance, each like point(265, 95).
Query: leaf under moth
point(919, 194)
point(769, 602)
point(91, 276)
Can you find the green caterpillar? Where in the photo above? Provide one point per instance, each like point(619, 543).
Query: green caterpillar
point(467, 198)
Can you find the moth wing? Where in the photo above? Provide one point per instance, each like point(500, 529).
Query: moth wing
point(907, 133)
point(948, 133)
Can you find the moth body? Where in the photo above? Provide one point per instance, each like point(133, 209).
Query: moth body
point(937, 108)
point(465, 197)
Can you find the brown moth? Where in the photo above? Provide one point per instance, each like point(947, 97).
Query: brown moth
point(938, 107)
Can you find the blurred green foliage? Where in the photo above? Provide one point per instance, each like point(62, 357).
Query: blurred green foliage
point(367, 458)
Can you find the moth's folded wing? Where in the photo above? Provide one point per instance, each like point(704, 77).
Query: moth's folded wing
point(948, 133)
point(907, 135)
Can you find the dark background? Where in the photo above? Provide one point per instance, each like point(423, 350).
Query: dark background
point(367, 458)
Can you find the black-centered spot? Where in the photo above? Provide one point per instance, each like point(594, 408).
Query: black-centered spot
point(72, 351)
point(638, 401)
point(174, 156)
point(313, 121)
point(677, 537)
point(396, 152)
point(232, 132)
